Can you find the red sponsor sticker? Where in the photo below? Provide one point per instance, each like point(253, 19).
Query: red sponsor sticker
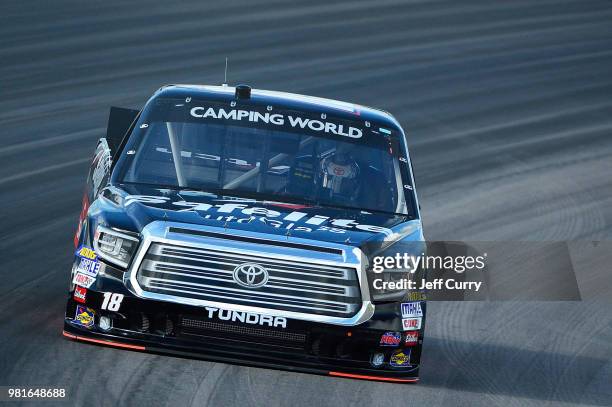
point(83, 280)
point(80, 293)
point(412, 338)
point(410, 324)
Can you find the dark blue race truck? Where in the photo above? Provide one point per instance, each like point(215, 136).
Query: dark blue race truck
point(239, 225)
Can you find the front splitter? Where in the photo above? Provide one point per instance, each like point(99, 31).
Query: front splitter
point(216, 355)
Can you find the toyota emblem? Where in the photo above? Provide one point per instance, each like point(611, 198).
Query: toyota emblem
point(251, 275)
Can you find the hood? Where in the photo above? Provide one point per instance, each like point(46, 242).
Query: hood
point(144, 204)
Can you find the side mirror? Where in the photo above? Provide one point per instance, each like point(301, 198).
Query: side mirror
point(120, 121)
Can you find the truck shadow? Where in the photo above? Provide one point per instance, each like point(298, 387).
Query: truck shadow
point(512, 371)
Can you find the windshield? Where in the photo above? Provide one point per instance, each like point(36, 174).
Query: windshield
point(262, 162)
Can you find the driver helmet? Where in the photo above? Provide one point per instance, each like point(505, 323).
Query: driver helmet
point(339, 177)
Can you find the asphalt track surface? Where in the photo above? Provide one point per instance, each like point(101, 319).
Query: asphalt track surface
point(508, 111)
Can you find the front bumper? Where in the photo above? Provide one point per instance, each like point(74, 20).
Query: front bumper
point(161, 327)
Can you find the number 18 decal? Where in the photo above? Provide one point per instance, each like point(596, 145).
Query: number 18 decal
point(112, 301)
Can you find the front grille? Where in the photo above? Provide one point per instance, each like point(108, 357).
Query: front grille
point(193, 325)
point(197, 273)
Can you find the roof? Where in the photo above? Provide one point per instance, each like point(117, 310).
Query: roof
point(284, 99)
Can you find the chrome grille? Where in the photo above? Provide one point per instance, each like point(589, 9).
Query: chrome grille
point(206, 274)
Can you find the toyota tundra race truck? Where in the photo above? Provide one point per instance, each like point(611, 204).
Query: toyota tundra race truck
point(239, 225)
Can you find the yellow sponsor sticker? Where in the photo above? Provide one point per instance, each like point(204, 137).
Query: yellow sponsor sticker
point(400, 358)
point(87, 253)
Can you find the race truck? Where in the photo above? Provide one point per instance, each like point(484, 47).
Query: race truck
point(239, 225)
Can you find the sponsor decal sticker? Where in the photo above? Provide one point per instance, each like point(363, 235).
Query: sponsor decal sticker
point(411, 310)
point(80, 293)
point(400, 358)
point(84, 316)
point(411, 324)
point(390, 339)
point(83, 280)
point(377, 359)
point(277, 119)
point(85, 252)
point(89, 267)
point(226, 212)
point(417, 296)
point(412, 338)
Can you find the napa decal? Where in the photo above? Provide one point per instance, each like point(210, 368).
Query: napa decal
point(84, 316)
point(277, 119)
